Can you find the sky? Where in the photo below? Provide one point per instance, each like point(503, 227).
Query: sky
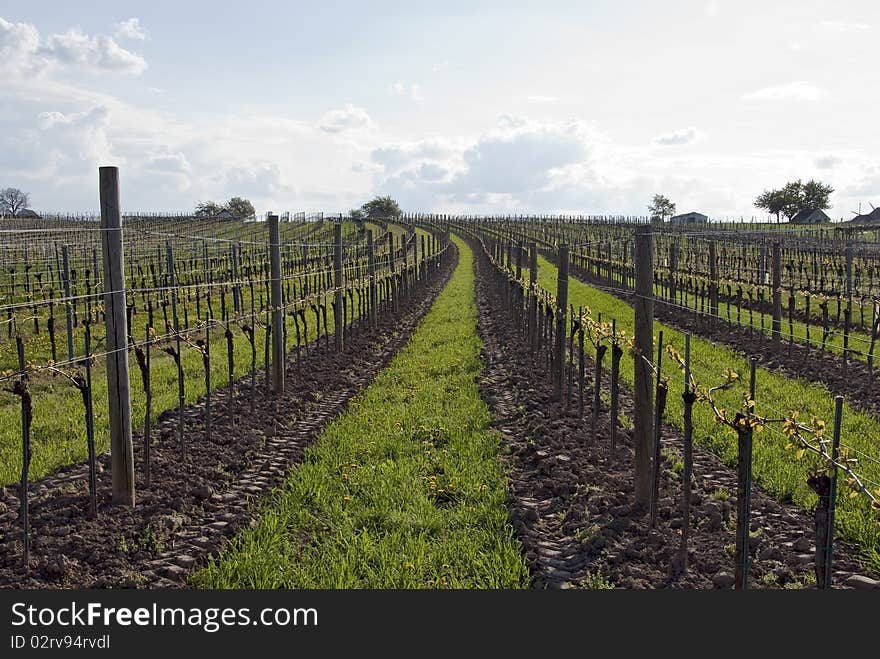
point(458, 107)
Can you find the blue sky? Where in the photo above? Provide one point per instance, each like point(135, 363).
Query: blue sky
point(452, 106)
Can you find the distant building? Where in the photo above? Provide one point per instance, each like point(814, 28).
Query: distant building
point(814, 216)
point(868, 218)
point(28, 214)
point(689, 218)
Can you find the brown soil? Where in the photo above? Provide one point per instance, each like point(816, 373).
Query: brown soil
point(572, 504)
point(198, 500)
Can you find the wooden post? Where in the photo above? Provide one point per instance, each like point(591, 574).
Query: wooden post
point(847, 319)
point(644, 352)
point(561, 309)
point(371, 258)
point(121, 450)
point(777, 296)
point(533, 298)
point(277, 303)
point(673, 269)
point(236, 286)
point(65, 258)
point(179, 358)
point(338, 284)
point(713, 284)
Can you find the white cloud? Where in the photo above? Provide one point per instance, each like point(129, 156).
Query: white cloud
point(95, 53)
point(844, 26)
point(24, 53)
point(868, 185)
point(412, 91)
point(678, 137)
point(349, 118)
point(441, 66)
point(798, 90)
point(826, 162)
point(712, 8)
point(19, 49)
point(541, 98)
point(131, 29)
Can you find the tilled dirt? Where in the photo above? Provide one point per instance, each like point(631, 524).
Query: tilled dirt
point(572, 504)
point(854, 380)
point(197, 500)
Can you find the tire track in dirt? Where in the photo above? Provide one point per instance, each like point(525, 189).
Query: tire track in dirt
point(572, 506)
point(197, 501)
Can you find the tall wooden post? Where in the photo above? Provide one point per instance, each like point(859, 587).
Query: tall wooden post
point(847, 319)
point(337, 284)
point(68, 307)
point(237, 303)
point(713, 283)
point(371, 258)
point(277, 303)
point(644, 352)
point(561, 316)
point(121, 450)
point(533, 298)
point(175, 319)
point(777, 296)
point(673, 269)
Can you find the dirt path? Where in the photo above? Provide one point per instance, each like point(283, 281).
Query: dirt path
point(572, 505)
point(197, 501)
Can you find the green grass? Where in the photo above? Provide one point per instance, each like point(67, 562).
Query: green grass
point(774, 467)
point(58, 435)
point(404, 490)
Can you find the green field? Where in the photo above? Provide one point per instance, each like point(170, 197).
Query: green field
point(774, 467)
point(404, 490)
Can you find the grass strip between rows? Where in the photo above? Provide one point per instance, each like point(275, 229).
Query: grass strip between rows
point(775, 468)
point(404, 490)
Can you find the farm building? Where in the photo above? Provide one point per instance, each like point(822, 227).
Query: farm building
point(689, 218)
point(810, 216)
point(868, 218)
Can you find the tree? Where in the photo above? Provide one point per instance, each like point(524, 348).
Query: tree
point(381, 208)
point(773, 201)
point(661, 208)
point(208, 209)
point(13, 201)
point(816, 195)
point(356, 214)
point(794, 197)
point(240, 208)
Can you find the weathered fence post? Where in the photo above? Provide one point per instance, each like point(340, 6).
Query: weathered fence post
point(179, 355)
point(561, 309)
point(713, 284)
point(278, 356)
point(533, 297)
point(777, 296)
point(644, 351)
point(371, 257)
point(65, 258)
point(847, 319)
point(121, 450)
point(338, 284)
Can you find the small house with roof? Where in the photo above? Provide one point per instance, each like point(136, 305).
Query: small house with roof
point(689, 218)
point(810, 216)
